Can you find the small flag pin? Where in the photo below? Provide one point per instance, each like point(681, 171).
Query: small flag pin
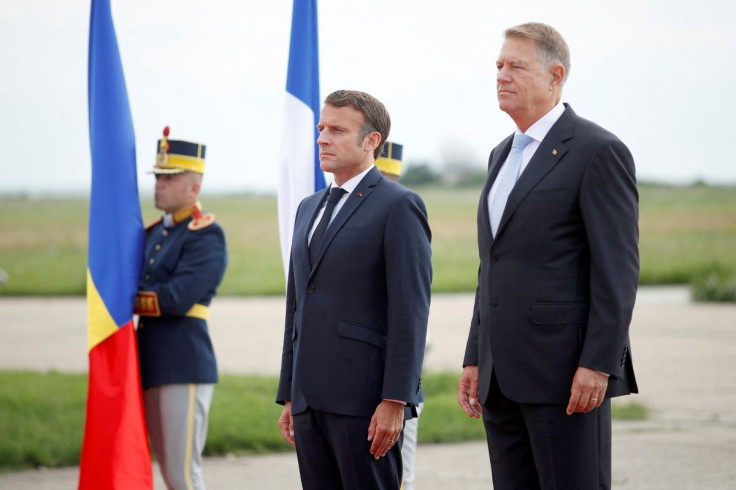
point(554, 152)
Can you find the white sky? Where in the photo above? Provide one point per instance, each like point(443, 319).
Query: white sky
point(659, 74)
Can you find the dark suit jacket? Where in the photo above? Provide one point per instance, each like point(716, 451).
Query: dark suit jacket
point(356, 319)
point(556, 287)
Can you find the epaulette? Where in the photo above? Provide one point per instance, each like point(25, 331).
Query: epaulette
point(151, 225)
point(200, 220)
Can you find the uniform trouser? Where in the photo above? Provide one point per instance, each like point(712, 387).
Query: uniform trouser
point(409, 449)
point(539, 446)
point(176, 416)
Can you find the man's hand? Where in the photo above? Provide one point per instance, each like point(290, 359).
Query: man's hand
point(588, 391)
point(386, 426)
point(286, 424)
point(467, 392)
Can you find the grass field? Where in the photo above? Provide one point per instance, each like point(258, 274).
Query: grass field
point(686, 232)
point(42, 420)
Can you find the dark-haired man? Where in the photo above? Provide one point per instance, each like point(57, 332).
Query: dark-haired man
point(356, 308)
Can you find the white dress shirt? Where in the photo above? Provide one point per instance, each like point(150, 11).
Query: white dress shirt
point(537, 132)
point(348, 186)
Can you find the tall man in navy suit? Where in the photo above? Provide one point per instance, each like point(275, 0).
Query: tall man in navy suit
point(559, 264)
point(357, 305)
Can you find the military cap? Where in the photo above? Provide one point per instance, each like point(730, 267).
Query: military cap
point(178, 156)
point(389, 161)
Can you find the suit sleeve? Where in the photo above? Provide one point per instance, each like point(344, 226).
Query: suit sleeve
point(609, 207)
point(199, 270)
point(471, 347)
point(408, 278)
point(283, 393)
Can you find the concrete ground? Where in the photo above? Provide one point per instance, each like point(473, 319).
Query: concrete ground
point(683, 355)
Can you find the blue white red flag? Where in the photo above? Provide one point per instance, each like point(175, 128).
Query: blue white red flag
point(300, 175)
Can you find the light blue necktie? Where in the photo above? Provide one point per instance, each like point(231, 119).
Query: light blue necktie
point(506, 179)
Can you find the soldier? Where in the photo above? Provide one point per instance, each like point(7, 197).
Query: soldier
point(185, 259)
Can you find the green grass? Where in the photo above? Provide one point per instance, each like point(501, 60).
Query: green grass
point(626, 410)
point(716, 286)
point(685, 233)
point(442, 419)
point(42, 417)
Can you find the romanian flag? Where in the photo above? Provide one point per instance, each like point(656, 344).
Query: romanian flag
point(115, 450)
point(300, 175)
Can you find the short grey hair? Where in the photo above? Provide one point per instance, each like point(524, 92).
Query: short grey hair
point(551, 46)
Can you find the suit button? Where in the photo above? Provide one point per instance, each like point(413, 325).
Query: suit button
point(310, 289)
point(493, 305)
point(152, 261)
point(494, 258)
point(158, 247)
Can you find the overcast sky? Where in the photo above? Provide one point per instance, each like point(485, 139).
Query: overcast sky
point(659, 74)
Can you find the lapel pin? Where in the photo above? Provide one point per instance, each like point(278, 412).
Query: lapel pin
point(554, 152)
point(360, 194)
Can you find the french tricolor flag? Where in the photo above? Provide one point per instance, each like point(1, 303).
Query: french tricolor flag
point(300, 175)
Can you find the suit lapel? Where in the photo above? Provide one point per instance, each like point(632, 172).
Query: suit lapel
point(550, 152)
point(354, 201)
point(497, 159)
point(311, 209)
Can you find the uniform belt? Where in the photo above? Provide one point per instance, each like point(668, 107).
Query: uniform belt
point(199, 311)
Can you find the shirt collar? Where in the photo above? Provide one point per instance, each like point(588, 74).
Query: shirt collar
point(351, 184)
point(539, 129)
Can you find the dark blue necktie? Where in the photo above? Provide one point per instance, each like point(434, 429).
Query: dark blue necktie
point(319, 232)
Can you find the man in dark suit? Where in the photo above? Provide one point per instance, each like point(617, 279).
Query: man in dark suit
point(559, 264)
point(356, 308)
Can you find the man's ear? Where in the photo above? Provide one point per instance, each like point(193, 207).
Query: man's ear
point(371, 141)
point(558, 75)
point(196, 185)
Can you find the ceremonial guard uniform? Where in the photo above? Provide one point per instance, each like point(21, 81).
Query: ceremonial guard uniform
point(185, 259)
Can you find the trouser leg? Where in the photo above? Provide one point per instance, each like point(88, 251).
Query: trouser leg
point(409, 449)
point(181, 414)
point(540, 446)
point(334, 453)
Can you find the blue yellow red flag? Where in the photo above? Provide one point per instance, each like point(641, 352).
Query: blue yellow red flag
point(115, 450)
point(300, 174)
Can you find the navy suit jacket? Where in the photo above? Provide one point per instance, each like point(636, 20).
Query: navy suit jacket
point(356, 319)
point(557, 284)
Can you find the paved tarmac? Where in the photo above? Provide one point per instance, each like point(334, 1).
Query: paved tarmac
point(683, 355)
